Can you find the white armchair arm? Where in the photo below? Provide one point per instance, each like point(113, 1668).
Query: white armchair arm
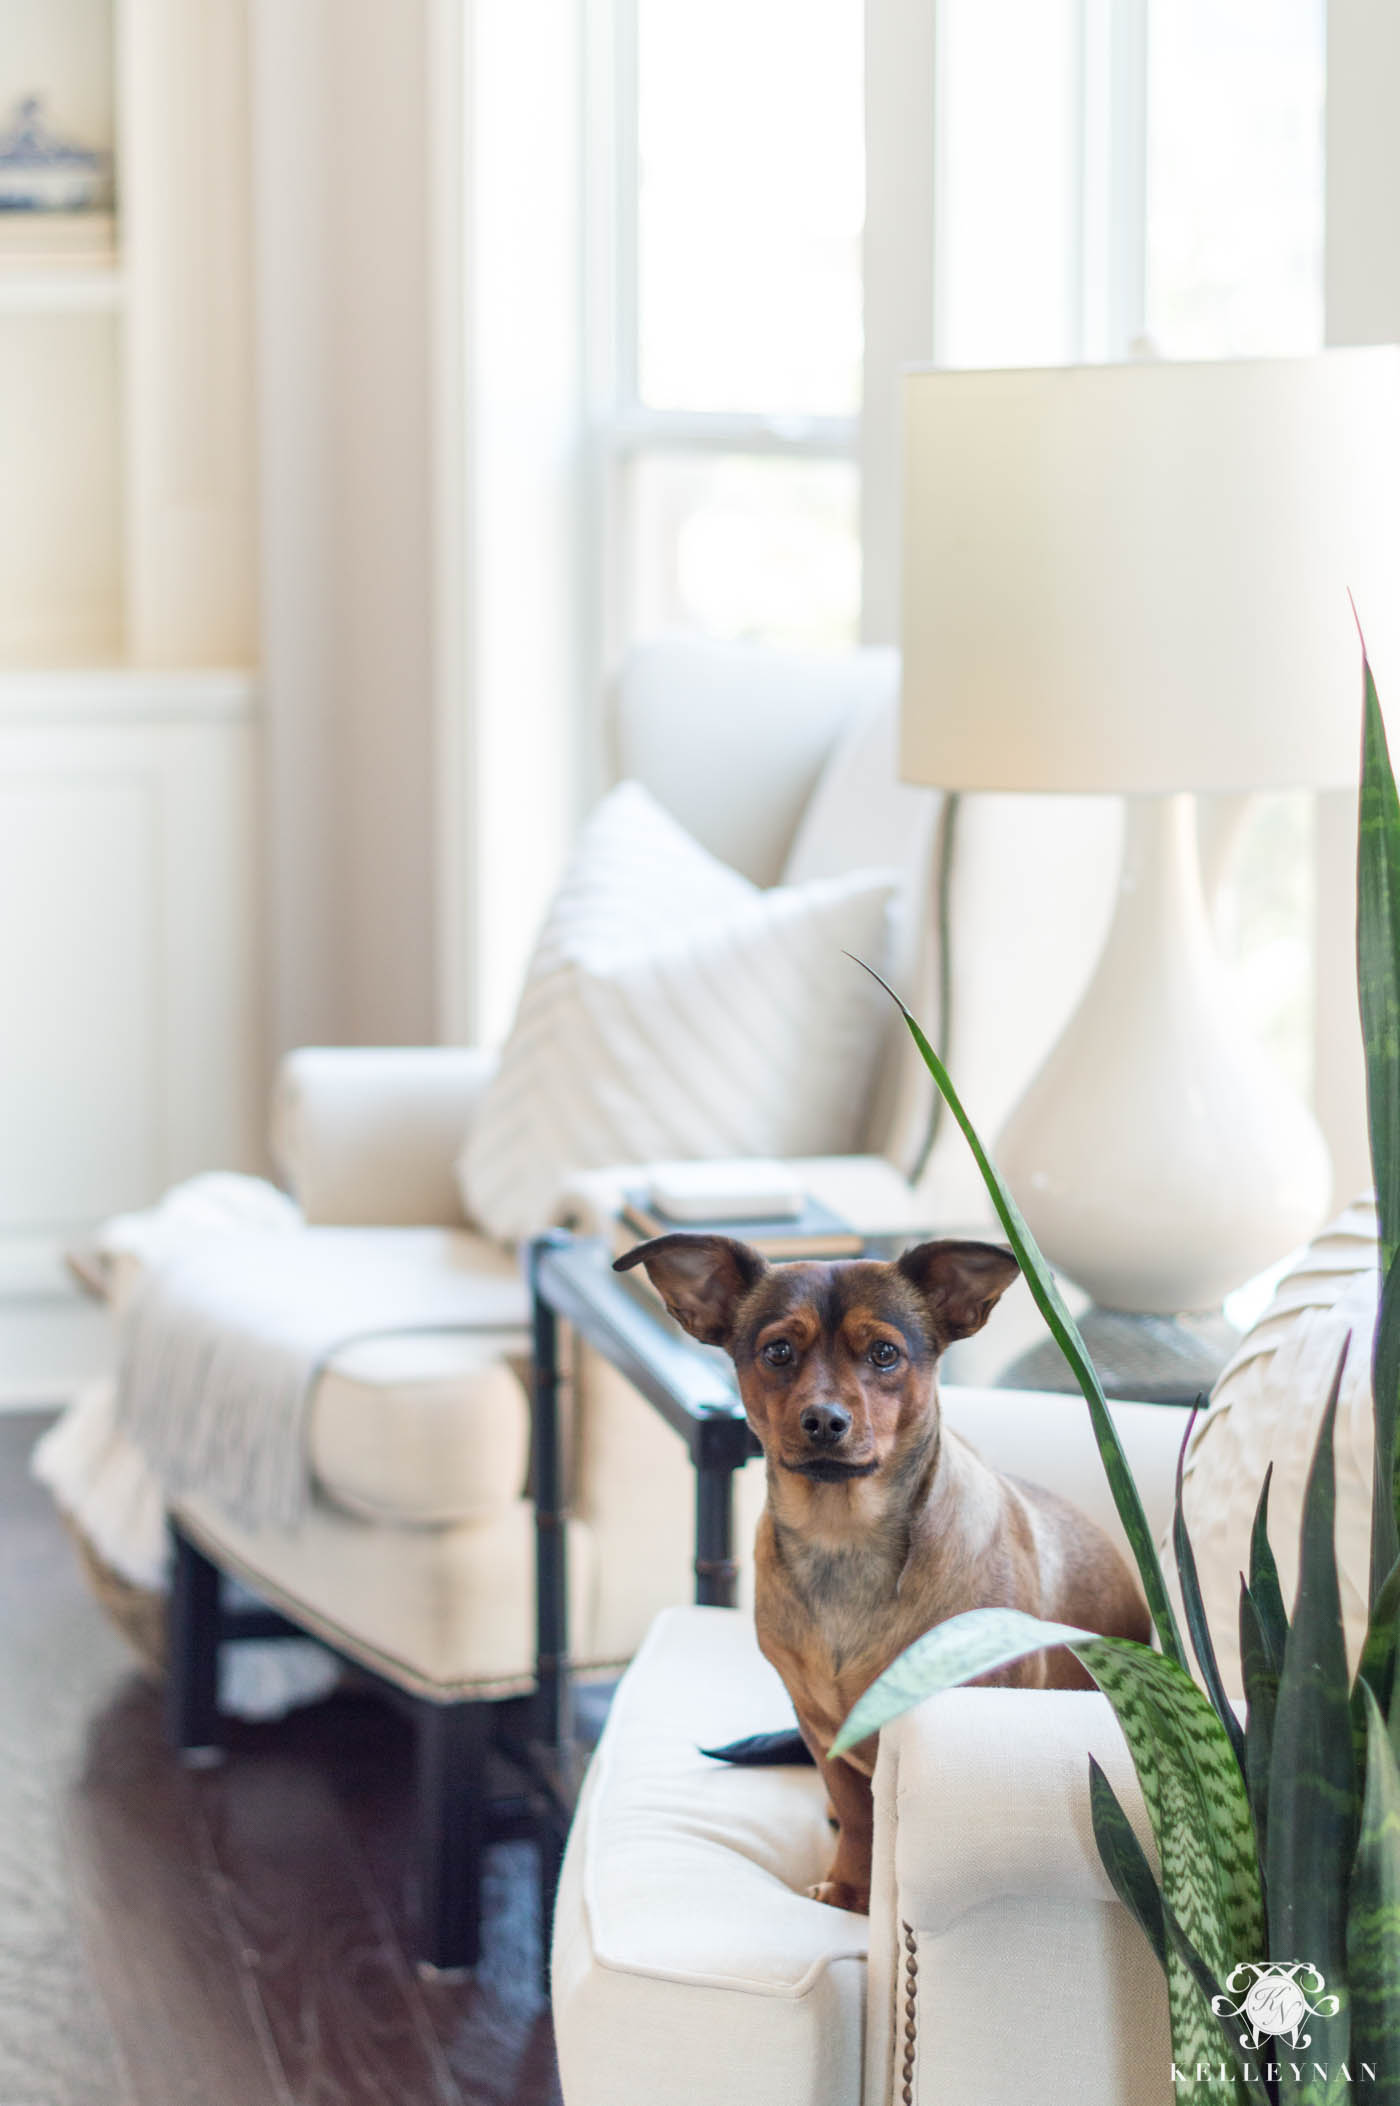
point(993, 1917)
point(372, 1134)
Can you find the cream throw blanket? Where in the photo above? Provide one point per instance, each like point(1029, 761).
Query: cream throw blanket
point(223, 1344)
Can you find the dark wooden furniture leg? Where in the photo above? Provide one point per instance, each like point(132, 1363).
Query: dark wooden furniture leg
point(719, 1451)
point(452, 1749)
point(553, 1834)
point(554, 1713)
point(192, 1686)
point(554, 1705)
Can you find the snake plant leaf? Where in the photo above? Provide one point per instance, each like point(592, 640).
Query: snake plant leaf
point(1376, 1671)
point(958, 1650)
point(1385, 1393)
point(1373, 1922)
point(1247, 2083)
point(1377, 952)
point(1265, 1591)
point(1260, 1675)
point(1378, 982)
point(1201, 1821)
point(1312, 1768)
point(1065, 1332)
point(1191, 1783)
point(1196, 1623)
point(1125, 1862)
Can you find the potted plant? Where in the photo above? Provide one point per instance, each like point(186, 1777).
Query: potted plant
point(1277, 1914)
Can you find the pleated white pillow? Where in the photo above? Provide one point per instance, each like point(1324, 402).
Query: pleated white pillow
point(1266, 1407)
point(674, 1010)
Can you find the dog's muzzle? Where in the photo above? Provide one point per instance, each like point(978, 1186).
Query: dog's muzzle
point(825, 1469)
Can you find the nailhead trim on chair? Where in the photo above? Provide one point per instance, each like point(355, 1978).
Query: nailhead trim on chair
point(911, 1985)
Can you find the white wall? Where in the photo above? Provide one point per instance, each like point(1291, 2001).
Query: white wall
point(523, 438)
point(1363, 307)
point(900, 44)
point(342, 147)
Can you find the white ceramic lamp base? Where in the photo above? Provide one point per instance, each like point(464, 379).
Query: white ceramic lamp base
point(1159, 1157)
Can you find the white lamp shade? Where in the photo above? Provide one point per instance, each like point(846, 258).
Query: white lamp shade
point(1134, 578)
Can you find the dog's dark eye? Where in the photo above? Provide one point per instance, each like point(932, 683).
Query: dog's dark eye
point(778, 1353)
point(883, 1353)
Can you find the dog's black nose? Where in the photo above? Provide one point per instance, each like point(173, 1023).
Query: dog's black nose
point(826, 1424)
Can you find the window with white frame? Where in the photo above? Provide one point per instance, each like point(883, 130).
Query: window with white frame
point(1112, 178)
point(1047, 180)
point(727, 358)
point(1122, 178)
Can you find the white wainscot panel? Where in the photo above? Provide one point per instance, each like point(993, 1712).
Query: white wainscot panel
point(80, 958)
point(129, 1033)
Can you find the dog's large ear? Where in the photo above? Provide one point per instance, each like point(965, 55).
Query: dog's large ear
point(961, 1283)
point(701, 1279)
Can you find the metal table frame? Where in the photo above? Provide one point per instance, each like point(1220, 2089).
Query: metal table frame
point(572, 1282)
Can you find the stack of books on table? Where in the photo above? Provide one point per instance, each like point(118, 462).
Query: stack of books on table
point(758, 1203)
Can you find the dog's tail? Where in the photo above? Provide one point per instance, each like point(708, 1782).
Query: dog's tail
point(764, 1750)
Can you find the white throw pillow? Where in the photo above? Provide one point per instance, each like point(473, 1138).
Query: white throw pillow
point(672, 1009)
point(1267, 1407)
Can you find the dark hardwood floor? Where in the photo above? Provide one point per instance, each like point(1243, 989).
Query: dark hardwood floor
point(236, 1937)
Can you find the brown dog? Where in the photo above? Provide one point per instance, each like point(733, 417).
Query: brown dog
point(880, 1521)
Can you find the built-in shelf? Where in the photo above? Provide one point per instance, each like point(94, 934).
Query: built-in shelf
point(60, 289)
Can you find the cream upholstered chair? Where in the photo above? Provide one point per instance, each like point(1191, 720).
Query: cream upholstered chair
point(415, 1556)
point(996, 1965)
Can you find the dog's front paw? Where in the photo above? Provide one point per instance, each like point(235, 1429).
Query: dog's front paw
point(837, 1895)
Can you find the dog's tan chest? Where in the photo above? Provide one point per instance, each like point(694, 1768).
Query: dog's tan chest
point(830, 1628)
point(822, 1696)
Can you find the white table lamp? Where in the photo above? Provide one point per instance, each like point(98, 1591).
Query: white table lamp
point(1133, 579)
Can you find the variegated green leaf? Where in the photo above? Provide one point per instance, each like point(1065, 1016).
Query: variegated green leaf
point(1247, 2082)
point(1260, 1676)
point(1265, 1591)
point(1378, 982)
point(1373, 1923)
point(1376, 1671)
point(956, 1651)
point(1196, 1623)
point(1064, 1330)
point(1125, 1862)
point(1196, 1802)
point(1385, 1394)
point(1312, 1770)
point(1377, 953)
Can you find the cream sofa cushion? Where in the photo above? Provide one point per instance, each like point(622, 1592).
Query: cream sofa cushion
point(731, 737)
point(688, 1963)
point(422, 1428)
point(446, 1611)
point(417, 1428)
